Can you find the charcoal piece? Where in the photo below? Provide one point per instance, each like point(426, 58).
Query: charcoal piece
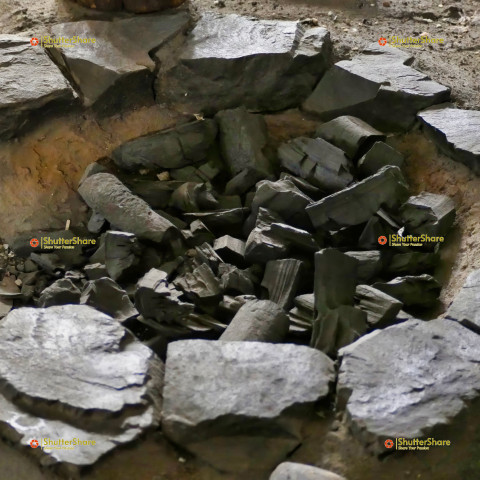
point(281, 280)
point(221, 221)
point(374, 229)
point(335, 328)
point(412, 262)
point(229, 201)
point(106, 195)
point(306, 187)
point(421, 290)
point(381, 309)
point(96, 223)
point(379, 156)
point(61, 292)
point(95, 271)
point(208, 171)
point(206, 254)
point(172, 266)
point(155, 192)
point(317, 161)
point(428, 213)
point(232, 279)
point(243, 138)
point(50, 262)
point(369, 264)
point(261, 245)
point(283, 198)
point(357, 203)
point(180, 224)
point(335, 279)
point(295, 237)
point(244, 181)
point(455, 132)
point(345, 237)
point(230, 250)
point(122, 252)
point(108, 297)
point(156, 299)
point(232, 305)
point(99, 255)
point(377, 86)
point(302, 314)
point(351, 134)
point(186, 174)
point(200, 285)
point(258, 320)
point(465, 306)
point(173, 148)
point(233, 60)
point(199, 234)
point(193, 197)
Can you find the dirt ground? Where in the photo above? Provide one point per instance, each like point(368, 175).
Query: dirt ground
point(49, 160)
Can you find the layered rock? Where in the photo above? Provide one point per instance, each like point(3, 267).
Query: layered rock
point(230, 60)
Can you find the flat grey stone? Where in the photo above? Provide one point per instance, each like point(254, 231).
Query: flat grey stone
point(243, 138)
point(279, 62)
point(258, 321)
point(351, 134)
point(298, 471)
point(408, 379)
point(171, 148)
point(428, 213)
point(119, 60)
point(29, 81)
point(357, 203)
point(106, 195)
point(230, 402)
point(379, 156)
point(317, 161)
point(71, 370)
point(465, 307)
point(377, 86)
point(455, 132)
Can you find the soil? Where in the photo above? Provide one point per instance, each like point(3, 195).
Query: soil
point(42, 168)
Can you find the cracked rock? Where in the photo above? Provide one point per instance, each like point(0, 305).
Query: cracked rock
point(351, 134)
point(106, 195)
point(465, 307)
point(377, 86)
point(172, 148)
point(280, 61)
point(118, 62)
point(70, 369)
point(29, 81)
point(106, 296)
point(357, 203)
point(427, 371)
point(201, 284)
point(122, 252)
point(455, 132)
point(230, 249)
point(229, 402)
point(281, 279)
point(320, 163)
point(429, 213)
point(234, 279)
point(258, 320)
